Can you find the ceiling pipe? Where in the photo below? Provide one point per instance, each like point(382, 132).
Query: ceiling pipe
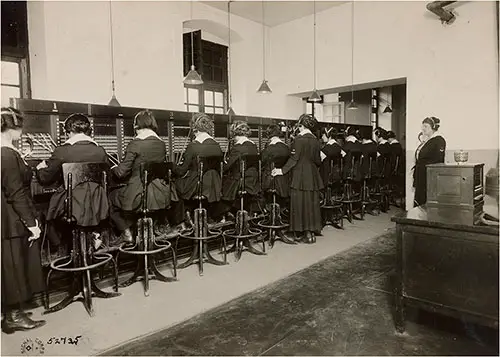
point(436, 7)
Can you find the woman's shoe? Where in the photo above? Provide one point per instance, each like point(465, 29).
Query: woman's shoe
point(17, 320)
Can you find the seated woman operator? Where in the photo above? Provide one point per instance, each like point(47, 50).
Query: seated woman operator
point(331, 150)
point(243, 146)
point(146, 147)
point(276, 152)
point(79, 147)
point(203, 145)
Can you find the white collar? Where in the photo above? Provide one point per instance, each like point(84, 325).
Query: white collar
point(367, 141)
point(79, 137)
point(331, 142)
point(201, 136)
point(394, 142)
point(351, 138)
point(275, 140)
point(241, 139)
point(305, 131)
point(382, 141)
point(145, 133)
point(9, 145)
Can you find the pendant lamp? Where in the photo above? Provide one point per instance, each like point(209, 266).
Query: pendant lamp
point(193, 77)
point(315, 97)
point(264, 87)
point(113, 102)
point(230, 110)
point(352, 104)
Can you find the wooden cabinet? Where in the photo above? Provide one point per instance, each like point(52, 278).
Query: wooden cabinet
point(455, 193)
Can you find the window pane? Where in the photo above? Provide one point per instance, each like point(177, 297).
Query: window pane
point(219, 99)
point(209, 97)
point(219, 111)
point(209, 110)
point(185, 95)
point(193, 108)
point(327, 110)
point(9, 92)
point(194, 96)
point(10, 73)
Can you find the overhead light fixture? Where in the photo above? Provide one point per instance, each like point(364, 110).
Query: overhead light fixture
point(113, 102)
point(193, 77)
point(388, 109)
point(352, 105)
point(230, 112)
point(315, 97)
point(264, 87)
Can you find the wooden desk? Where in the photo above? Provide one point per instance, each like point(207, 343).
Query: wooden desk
point(446, 268)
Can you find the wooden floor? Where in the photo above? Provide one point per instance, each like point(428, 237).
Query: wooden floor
point(131, 315)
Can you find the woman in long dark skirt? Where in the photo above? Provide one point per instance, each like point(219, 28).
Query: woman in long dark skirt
point(306, 182)
point(21, 268)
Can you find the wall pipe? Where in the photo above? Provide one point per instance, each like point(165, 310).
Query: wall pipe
point(436, 7)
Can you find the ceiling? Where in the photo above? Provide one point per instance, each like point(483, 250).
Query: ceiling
point(276, 12)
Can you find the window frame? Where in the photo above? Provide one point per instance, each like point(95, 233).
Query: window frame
point(24, 75)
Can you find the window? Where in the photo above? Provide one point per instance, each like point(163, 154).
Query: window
point(333, 112)
point(11, 81)
point(211, 63)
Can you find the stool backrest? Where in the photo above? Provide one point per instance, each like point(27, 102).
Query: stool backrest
point(151, 171)
point(205, 164)
point(77, 173)
point(246, 162)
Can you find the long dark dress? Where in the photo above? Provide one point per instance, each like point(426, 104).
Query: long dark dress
point(129, 198)
point(352, 160)
point(278, 154)
point(187, 171)
point(84, 194)
point(384, 160)
point(231, 178)
point(21, 267)
point(368, 150)
point(306, 183)
point(333, 152)
point(432, 152)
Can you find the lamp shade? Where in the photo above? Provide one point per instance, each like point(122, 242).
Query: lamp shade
point(352, 105)
point(230, 111)
point(264, 88)
point(193, 77)
point(114, 102)
point(388, 109)
point(314, 97)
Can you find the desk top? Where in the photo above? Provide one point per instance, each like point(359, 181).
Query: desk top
point(418, 216)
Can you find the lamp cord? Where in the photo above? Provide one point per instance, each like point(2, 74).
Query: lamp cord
point(314, 44)
point(352, 50)
point(112, 47)
point(192, 36)
point(229, 53)
point(263, 43)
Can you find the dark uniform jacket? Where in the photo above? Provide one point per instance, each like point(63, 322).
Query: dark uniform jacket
point(277, 153)
point(149, 149)
point(187, 171)
point(368, 150)
point(231, 179)
point(397, 159)
point(18, 210)
point(303, 164)
point(352, 161)
point(90, 201)
point(384, 160)
point(432, 152)
point(332, 152)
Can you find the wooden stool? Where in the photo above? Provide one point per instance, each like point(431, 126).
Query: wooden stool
point(145, 244)
point(201, 234)
point(81, 258)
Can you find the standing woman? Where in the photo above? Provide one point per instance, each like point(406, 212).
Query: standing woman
point(306, 182)
point(277, 153)
point(21, 267)
point(432, 151)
